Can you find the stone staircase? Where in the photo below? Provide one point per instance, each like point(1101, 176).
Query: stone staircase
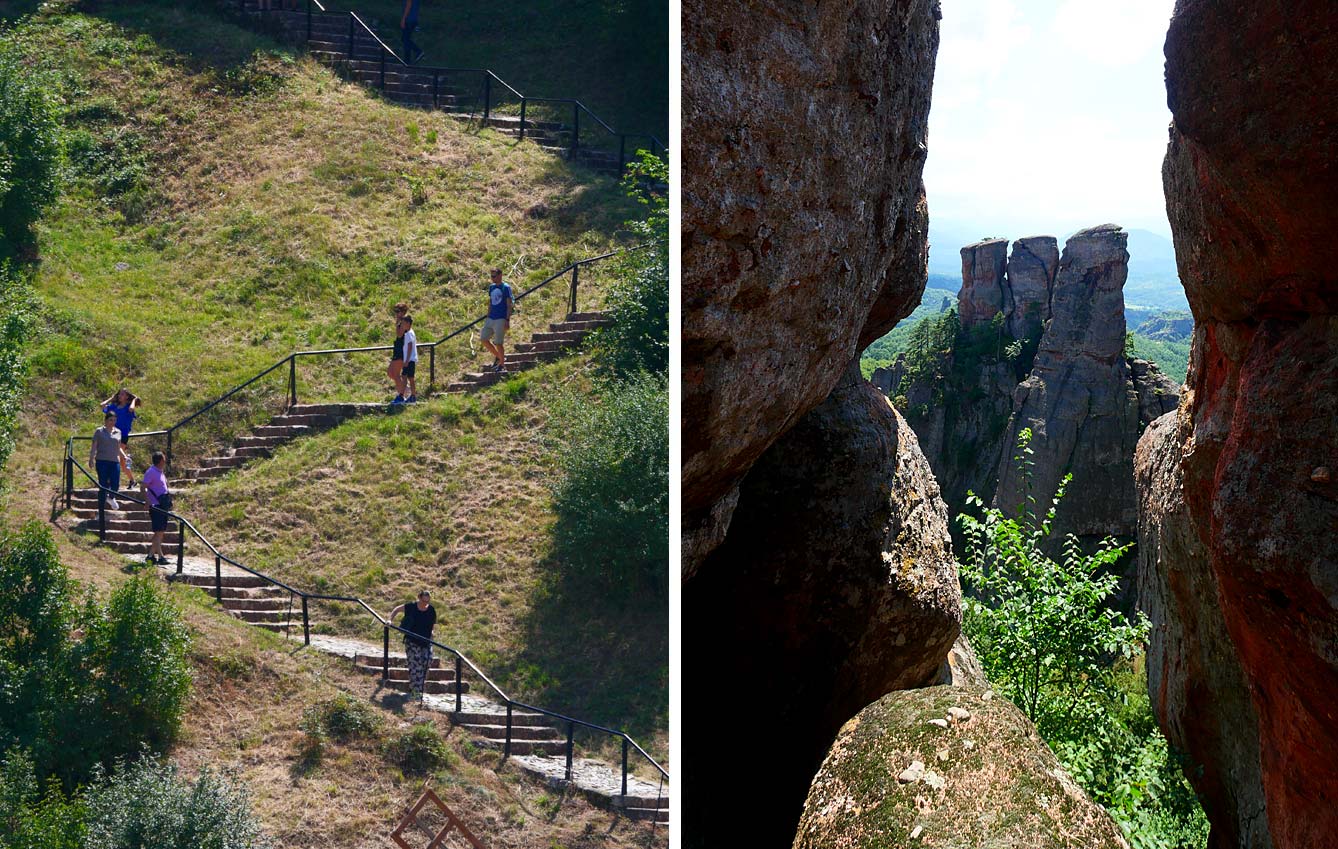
point(249, 598)
point(299, 420)
point(543, 347)
point(413, 86)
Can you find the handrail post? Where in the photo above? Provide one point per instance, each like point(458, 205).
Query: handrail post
point(218, 578)
point(383, 67)
point(169, 450)
point(487, 96)
point(436, 88)
point(69, 477)
point(506, 746)
point(292, 380)
point(575, 281)
point(385, 654)
point(432, 368)
point(306, 623)
point(308, 20)
point(457, 683)
point(102, 514)
point(624, 769)
point(181, 545)
point(522, 119)
point(575, 129)
point(571, 731)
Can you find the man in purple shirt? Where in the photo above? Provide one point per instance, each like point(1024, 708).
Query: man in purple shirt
point(153, 485)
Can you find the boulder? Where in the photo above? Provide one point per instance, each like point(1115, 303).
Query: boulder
point(803, 216)
point(1250, 177)
point(985, 779)
point(835, 584)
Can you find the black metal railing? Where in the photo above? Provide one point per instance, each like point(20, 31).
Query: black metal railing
point(291, 391)
point(461, 661)
point(491, 95)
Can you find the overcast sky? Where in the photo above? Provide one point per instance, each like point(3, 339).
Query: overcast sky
point(1049, 115)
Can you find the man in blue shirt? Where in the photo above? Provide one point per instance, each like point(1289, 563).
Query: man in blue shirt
point(500, 306)
point(408, 23)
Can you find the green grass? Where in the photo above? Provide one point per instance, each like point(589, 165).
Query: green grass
point(231, 201)
point(612, 56)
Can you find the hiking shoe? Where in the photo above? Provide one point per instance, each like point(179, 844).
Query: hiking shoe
point(412, 399)
point(499, 368)
point(161, 561)
point(399, 399)
point(113, 504)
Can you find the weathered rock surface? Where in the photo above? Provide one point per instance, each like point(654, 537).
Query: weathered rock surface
point(999, 786)
point(1250, 177)
point(835, 584)
point(1032, 266)
point(984, 293)
point(1198, 688)
point(1079, 400)
point(803, 219)
point(1157, 393)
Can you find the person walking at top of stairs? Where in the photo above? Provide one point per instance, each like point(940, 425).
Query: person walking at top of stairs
point(408, 23)
point(501, 304)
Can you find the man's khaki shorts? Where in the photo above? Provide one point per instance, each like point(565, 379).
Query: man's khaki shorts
point(494, 328)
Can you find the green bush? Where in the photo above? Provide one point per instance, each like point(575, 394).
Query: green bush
point(1048, 641)
point(419, 751)
point(30, 819)
point(148, 805)
point(638, 300)
point(342, 718)
point(17, 308)
point(77, 703)
point(612, 496)
point(29, 148)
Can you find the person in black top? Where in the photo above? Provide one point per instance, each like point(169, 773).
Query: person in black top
point(397, 354)
point(418, 621)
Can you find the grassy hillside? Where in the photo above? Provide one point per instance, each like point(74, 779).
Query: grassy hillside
point(882, 352)
point(612, 56)
point(249, 694)
point(230, 201)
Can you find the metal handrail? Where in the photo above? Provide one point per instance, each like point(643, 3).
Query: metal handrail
point(220, 558)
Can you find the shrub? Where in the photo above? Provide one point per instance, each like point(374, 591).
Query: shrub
point(147, 804)
point(638, 300)
point(30, 819)
point(342, 718)
point(419, 750)
point(17, 309)
point(612, 496)
point(29, 148)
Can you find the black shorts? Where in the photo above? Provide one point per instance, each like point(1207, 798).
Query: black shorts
point(125, 439)
point(409, 368)
point(158, 519)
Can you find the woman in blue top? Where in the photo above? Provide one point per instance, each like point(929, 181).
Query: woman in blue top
point(124, 405)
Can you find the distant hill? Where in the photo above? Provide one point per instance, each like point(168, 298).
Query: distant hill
point(936, 299)
point(1168, 326)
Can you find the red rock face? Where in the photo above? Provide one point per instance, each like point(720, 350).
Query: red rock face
point(804, 138)
point(1250, 182)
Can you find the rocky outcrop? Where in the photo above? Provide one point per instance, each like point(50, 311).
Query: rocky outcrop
point(1198, 688)
point(803, 217)
point(947, 767)
point(835, 584)
point(1253, 505)
point(1079, 400)
point(984, 293)
point(1056, 366)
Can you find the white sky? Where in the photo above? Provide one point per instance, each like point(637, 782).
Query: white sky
point(1049, 115)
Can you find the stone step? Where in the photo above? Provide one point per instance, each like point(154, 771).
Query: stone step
point(248, 602)
point(280, 626)
point(588, 316)
point(265, 594)
point(260, 441)
point(430, 686)
point(142, 548)
point(343, 410)
point(659, 815)
point(578, 326)
point(222, 462)
point(519, 718)
point(310, 420)
point(127, 524)
point(280, 430)
point(507, 122)
point(526, 747)
point(235, 581)
point(543, 733)
point(396, 660)
point(571, 337)
point(136, 536)
point(402, 673)
point(256, 616)
point(537, 347)
point(645, 802)
point(252, 452)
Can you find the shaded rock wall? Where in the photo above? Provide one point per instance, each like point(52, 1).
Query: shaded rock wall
point(835, 584)
point(1250, 181)
point(986, 780)
point(803, 220)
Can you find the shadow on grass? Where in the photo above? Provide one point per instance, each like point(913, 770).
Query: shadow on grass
point(597, 658)
point(11, 10)
point(204, 35)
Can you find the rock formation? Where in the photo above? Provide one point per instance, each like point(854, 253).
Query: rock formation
point(835, 584)
point(947, 767)
point(1239, 494)
point(804, 220)
point(1056, 364)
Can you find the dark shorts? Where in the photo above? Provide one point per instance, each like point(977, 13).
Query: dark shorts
point(409, 368)
point(158, 519)
point(125, 439)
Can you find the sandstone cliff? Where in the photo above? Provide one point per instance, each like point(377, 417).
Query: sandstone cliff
point(1239, 495)
point(817, 571)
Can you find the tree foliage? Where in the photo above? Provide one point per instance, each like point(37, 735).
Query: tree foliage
point(1049, 642)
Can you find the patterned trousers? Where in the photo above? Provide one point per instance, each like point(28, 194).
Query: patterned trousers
point(420, 658)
